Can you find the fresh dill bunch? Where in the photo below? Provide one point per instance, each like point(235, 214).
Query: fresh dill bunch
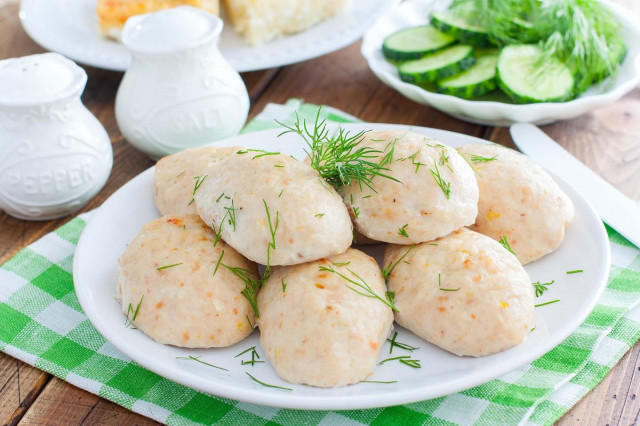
point(583, 34)
point(338, 156)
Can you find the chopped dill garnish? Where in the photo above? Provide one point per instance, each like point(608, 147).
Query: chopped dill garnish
point(531, 331)
point(386, 272)
point(197, 359)
point(179, 174)
point(379, 381)
point(540, 288)
point(254, 357)
point(262, 152)
point(284, 286)
point(168, 266)
point(546, 303)
point(443, 184)
point(280, 194)
point(361, 287)
point(266, 384)
point(336, 156)
point(251, 286)
point(415, 162)
point(403, 231)
point(251, 326)
point(278, 166)
point(356, 212)
point(273, 228)
point(231, 210)
point(366, 196)
point(505, 244)
point(577, 271)
point(432, 244)
point(218, 263)
point(445, 289)
point(405, 359)
point(320, 215)
point(128, 322)
point(395, 344)
point(341, 263)
point(218, 199)
point(198, 182)
point(388, 157)
point(480, 159)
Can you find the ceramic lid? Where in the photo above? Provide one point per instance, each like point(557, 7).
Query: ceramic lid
point(170, 30)
point(38, 79)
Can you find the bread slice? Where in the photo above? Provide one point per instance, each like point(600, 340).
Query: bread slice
point(260, 21)
point(112, 14)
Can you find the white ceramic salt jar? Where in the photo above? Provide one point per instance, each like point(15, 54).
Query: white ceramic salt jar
point(55, 155)
point(179, 92)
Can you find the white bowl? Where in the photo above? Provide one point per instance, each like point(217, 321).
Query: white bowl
point(416, 12)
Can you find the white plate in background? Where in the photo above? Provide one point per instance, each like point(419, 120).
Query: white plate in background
point(491, 112)
point(70, 27)
point(120, 218)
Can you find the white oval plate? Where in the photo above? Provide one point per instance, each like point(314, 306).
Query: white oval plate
point(70, 27)
point(120, 218)
point(416, 12)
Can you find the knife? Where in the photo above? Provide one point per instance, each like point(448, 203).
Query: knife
point(615, 208)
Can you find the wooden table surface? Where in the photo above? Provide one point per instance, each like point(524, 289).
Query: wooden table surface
point(607, 140)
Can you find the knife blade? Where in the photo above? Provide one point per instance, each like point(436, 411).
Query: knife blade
point(615, 208)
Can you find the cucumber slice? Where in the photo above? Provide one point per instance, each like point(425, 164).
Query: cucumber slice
point(525, 80)
point(478, 80)
point(461, 29)
point(443, 63)
point(414, 43)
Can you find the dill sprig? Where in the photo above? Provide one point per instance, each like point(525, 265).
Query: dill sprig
point(541, 287)
point(480, 159)
point(443, 184)
point(379, 381)
point(266, 384)
point(128, 322)
point(218, 263)
point(386, 272)
point(262, 152)
point(197, 359)
point(273, 228)
point(251, 286)
point(284, 286)
point(404, 359)
point(337, 156)
point(361, 287)
point(168, 266)
point(403, 231)
point(198, 182)
point(546, 303)
point(505, 244)
point(395, 344)
point(254, 357)
point(445, 289)
point(581, 33)
point(577, 271)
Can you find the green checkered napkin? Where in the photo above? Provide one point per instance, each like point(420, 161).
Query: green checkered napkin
point(42, 324)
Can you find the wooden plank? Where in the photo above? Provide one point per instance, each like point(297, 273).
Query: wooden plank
point(63, 404)
point(20, 385)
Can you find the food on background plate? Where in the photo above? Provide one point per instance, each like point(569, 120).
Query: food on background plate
point(316, 327)
point(175, 175)
point(427, 192)
point(112, 14)
point(260, 21)
point(519, 201)
point(464, 293)
point(272, 208)
point(550, 51)
point(172, 288)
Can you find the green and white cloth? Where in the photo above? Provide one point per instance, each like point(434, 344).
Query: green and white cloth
point(42, 324)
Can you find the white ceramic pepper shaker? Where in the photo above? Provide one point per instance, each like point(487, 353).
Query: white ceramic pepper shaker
point(179, 92)
point(54, 154)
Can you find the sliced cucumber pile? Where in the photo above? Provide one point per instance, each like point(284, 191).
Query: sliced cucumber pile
point(414, 43)
point(459, 28)
point(526, 78)
point(434, 66)
point(478, 80)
